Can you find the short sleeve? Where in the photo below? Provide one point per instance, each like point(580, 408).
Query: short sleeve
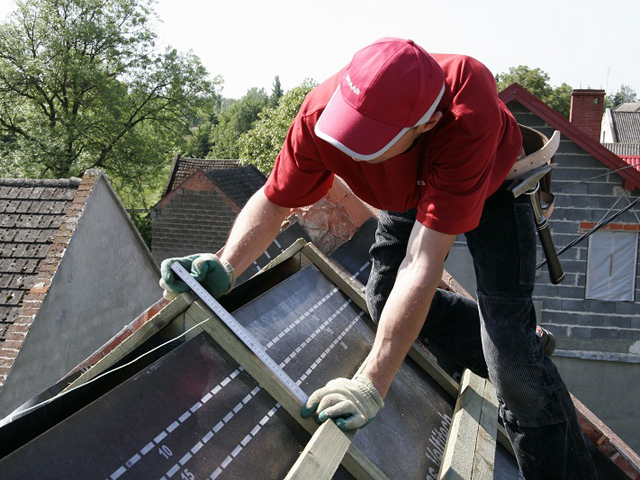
point(299, 176)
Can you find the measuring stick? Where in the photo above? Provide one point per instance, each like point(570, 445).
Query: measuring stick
point(241, 332)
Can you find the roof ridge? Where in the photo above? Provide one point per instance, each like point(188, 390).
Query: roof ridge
point(41, 182)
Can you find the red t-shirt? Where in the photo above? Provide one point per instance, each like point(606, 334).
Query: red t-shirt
point(447, 175)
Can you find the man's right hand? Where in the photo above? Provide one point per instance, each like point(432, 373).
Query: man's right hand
point(214, 274)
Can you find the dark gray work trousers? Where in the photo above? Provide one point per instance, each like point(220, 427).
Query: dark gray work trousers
point(496, 337)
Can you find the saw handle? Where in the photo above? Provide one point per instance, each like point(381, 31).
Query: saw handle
point(553, 262)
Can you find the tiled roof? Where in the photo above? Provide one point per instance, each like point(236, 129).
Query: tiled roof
point(624, 149)
point(30, 213)
point(628, 107)
point(183, 168)
point(239, 183)
point(626, 126)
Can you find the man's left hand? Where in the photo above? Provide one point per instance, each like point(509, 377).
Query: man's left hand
point(353, 403)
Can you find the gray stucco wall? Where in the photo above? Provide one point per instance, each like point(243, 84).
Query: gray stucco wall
point(105, 279)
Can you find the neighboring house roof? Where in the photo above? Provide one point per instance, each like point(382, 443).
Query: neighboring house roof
point(239, 183)
point(628, 107)
point(626, 126)
point(55, 290)
point(518, 93)
point(31, 212)
point(183, 168)
point(624, 149)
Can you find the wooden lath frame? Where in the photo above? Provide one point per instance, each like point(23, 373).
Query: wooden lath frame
point(329, 446)
point(467, 456)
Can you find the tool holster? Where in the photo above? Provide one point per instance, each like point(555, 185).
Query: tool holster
point(531, 175)
point(538, 150)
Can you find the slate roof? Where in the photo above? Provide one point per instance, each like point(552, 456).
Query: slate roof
point(238, 183)
point(31, 211)
point(183, 168)
point(626, 126)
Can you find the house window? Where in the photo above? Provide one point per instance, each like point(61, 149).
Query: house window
point(611, 269)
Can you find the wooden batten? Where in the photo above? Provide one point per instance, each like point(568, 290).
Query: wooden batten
point(470, 450)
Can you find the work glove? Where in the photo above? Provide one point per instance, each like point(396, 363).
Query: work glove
point(354, 403)
point(215, 275)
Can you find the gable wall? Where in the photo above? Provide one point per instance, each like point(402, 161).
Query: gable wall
point(196, 217)
point(595, 339)
point(587, 325)
point(105, 277)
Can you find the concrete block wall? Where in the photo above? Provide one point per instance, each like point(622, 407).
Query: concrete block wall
point(580, 324)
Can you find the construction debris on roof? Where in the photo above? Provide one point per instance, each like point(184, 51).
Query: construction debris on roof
point(209, 408)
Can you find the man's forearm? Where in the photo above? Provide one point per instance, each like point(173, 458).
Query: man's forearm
point(255, 228)
point(408, 305)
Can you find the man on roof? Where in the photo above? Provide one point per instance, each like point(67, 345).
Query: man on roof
point(425, 139)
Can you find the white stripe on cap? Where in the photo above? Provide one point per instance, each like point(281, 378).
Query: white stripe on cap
point(344, 149)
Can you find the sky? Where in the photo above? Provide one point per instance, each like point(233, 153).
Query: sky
point(248, 42)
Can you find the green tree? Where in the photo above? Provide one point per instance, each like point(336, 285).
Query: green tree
point(83, 86)
point(536, 81)
point(234, 121)
point(560, 100)
point(626, 94)
point(276, 93)
point(261, 144)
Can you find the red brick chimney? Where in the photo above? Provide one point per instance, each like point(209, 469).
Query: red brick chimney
point(587, 107)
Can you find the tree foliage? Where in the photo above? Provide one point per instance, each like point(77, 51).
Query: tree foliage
point(263, 142)
point(625, 94)
point(536, 81)
point(276, 93)
point(234, 121)
point(83, 86)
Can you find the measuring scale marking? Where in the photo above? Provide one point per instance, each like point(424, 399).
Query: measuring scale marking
point(242, 333)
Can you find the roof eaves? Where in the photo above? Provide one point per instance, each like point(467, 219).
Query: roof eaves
point(518, 93)
point(171, 176)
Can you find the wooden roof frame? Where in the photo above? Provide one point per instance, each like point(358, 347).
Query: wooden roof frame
point(470, 448)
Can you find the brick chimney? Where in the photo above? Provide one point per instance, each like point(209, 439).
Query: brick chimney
point(587, 107)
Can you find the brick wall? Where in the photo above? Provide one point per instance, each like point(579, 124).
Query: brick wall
point(587, 107)
point(585, 325)
point(194, 218)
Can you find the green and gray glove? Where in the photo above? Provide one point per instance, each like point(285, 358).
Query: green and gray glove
point(354, 403)
point(215, 275)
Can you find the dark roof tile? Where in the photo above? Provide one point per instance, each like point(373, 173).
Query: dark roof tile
point(239, 183)
point(31, 211)
point(627, 126)
point(183, 168)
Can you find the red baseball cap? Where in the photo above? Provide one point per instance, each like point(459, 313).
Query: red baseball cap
point(389, 87)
